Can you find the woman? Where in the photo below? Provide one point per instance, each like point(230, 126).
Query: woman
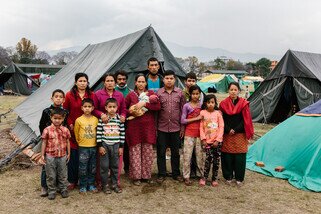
point(140, 140)
point(99, 101)
point(72, 103)
point(238, 129)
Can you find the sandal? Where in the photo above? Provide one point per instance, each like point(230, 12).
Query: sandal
point(214, 184)
point(188, 182)
point(202, 182)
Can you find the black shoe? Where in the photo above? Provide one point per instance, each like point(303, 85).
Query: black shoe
point(106, 190)
point(160, 180)
point(65, 194)
point(178, 178)
point(51, 196)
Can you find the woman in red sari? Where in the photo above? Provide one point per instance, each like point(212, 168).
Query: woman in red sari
point(141, 130)
point(238, 129)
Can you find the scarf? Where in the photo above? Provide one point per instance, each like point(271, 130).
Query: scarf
point(125, 86)
point(242, 106)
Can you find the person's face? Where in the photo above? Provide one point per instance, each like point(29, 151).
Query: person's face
point(233, 91)
point(109, 83)
point(210, 104)
point(58, 99)
point(121, 80)
point(57, 119)
point(195, 96)
point(111, 108)
point(87, 108)
point(81, 83)
point(153, 67)
point(141, 83)
point(169, 81)
point(189, 82)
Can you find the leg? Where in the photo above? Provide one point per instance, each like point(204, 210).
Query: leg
point(162, 138)
point(227, 166)
point(98, 174)
point(147, 160)
point(135, 161)
point(73, 166)
point(51, 175)
point(83, 167)
point(92, 166)
point(114, 160)
point(43, 178)
point(62, 173)
point(193, 167)
point(104, 166)
point(174, 144)
point(208, 162)
point(216, 162)
point(200, 156)
point(120, 167)
point(126, 158)
point(240, 163)
point(187, 155)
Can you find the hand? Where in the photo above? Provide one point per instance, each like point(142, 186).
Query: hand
point(232, 132)
point(204, 143)
point(215, 144)
point(140, 105)
point(71, 127)
point(68, 158)
point(182, 133)
point(199, 117)
point(122, 119)
point(104, 118)
point(102, 151)
point(42, 160)
point(120, 151)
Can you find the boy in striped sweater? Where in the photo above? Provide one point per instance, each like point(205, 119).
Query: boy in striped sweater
point(110, 140)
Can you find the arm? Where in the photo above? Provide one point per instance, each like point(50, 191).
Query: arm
point(122, 134)
point(68, 150)
point(99, 134)
point(220, 133)
point(76, 130)
point(153, 105)
point(43, 147)
point(122, 106)
point(202, 131)
point(96, 112)
point(66, 105)
point(42, 123)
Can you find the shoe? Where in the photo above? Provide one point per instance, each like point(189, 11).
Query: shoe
point(117, 189)
point(65, 194)
point(83, 190)
point(202, 182)
point(71, 186)
point(178, 178)
point(188, 182)
point(160, 180)
point(51, 196)
point(136, 182)
point(228, 182)
point(106, 190)
point(149, 181)
point(239, 183)
point(92, 188)
point(214, 183)
point(44, 192)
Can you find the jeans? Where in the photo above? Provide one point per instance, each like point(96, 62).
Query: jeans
point(56, 171)
point(109, 161)
point(87, 166)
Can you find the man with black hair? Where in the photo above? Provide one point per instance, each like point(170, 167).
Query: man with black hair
point(121, 82)
point(154, 79)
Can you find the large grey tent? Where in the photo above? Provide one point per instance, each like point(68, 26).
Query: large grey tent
point(129, 53)
point(13, 78)
point(296, 80)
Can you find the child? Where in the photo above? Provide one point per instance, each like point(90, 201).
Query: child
point(85, 134)
point(211, 131)
point(110, 140)
point(55, 153)
point(191, 118)
point(57, 97)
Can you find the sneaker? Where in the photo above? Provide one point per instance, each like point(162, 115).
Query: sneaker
point(83, 190)
point(44, 192)
point(136, 182)
point(239, 183)
point(228, 182)
point(214, 183)
point(160, 180)
point(92, 188)
point(202, 182)
point(65, 194)
point(178, 178)
point(117, 189)
point(51, 196)
point(71, 186)
point(106, 190)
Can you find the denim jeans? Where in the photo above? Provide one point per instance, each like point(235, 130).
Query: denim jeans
point(87, 166)
point(56, 171)
point(109, 161)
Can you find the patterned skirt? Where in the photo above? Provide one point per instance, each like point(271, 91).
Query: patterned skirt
point(236, 143)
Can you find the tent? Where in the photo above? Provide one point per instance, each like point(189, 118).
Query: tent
point(295, 81)
point(252, 82)
point(299, 152)
point(129, 53)
point(216, 82)
point(14, 79)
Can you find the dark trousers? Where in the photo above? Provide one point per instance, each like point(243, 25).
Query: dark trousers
point(73, 165)
point(87, 166)
point(109, 161)
point(193, 165)
point(126, 158)
point(43, 178)
point(212, 158)
point(173, 141)
point(233, 166)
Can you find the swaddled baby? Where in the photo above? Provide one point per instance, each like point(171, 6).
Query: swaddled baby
point(137, 112)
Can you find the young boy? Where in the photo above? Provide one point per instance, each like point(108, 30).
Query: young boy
point(85, 134)
point(55, 153)
point(57, 97)
point(110, 140)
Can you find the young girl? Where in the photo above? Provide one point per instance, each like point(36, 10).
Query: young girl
point(191, 118)
point(211, 132)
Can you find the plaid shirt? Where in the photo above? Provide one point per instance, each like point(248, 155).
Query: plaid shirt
point(57, 139)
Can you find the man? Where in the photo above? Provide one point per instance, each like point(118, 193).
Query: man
point(121, 86)
point(154, 79)
point(170, 130)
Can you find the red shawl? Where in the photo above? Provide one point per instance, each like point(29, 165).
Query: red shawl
point(227, 107)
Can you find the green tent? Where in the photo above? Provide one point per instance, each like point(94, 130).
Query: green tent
point(295, 145)
point(216, 83)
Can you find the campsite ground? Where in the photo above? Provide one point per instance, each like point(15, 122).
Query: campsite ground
point(261, 194)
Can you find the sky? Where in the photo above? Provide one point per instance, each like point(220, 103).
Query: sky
point(244, 26)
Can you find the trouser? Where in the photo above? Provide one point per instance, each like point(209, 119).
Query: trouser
point(141, 161)
point(194, 171)
point(56, 173)
point(43, 177)
point(192, 144)
point(126, 159)
point(212, 158)
point(87, 166)
point(109, 161)
point(233, 166)
point(73, 166)
point(171, 140)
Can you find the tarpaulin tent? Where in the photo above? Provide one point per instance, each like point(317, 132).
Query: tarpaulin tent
point(295, 81)
point(295, 145)
point(219, 82)
point(129, 53)
point(14, 79)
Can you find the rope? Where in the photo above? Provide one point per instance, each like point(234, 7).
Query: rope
point(3, 115)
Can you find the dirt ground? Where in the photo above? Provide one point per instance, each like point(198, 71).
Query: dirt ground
point(20, 188)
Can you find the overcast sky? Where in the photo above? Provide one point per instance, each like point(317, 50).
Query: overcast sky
point(257, 26)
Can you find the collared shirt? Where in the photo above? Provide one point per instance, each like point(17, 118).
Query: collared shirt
point(57, 139)
point(171, 109)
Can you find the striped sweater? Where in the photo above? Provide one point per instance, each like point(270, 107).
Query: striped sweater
point(111, 133)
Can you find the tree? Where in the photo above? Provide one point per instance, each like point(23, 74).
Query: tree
point(4, 58)
point(42, 57)
point(62, 58)
point(263, 67)
point(192, 63)
point(13, 55)
point(26, 50)
point(234, 65)
point(219, 64)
